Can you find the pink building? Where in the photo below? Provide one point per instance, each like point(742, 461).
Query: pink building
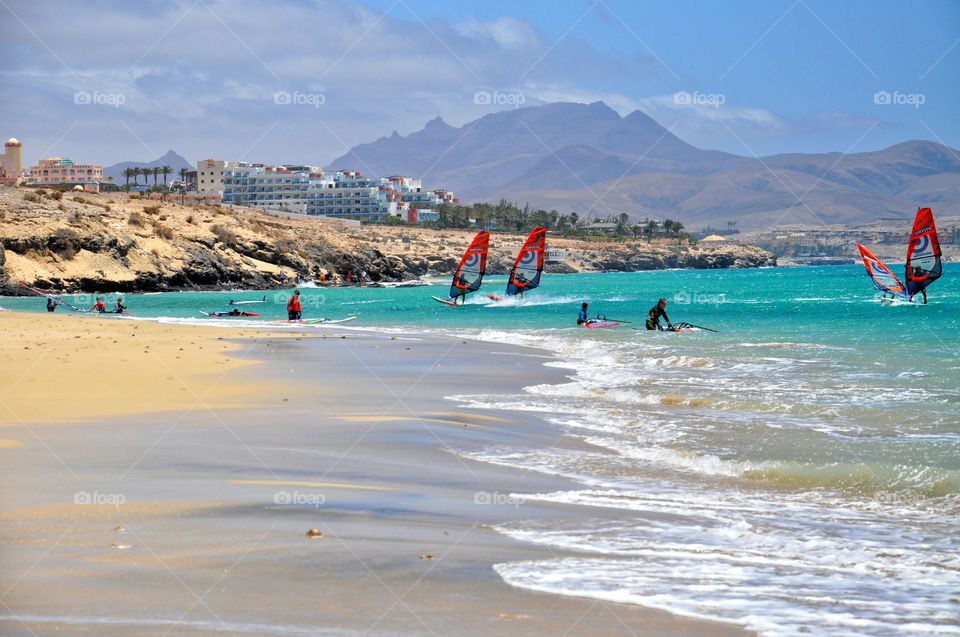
point(64, 171)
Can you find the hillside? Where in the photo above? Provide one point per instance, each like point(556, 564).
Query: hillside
point(111, 242)
point(586, 158)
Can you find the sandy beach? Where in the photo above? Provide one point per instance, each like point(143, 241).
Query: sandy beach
point(66, 368)
point(180, 516)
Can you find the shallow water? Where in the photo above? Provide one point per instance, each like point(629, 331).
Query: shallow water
point(797, 472)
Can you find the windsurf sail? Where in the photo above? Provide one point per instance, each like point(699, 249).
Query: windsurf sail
point(473, 264)
point(923, 253)
point(52, 297)
point(528, 267)
point(883, 279)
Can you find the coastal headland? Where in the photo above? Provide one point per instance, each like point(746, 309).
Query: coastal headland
point(84, 242)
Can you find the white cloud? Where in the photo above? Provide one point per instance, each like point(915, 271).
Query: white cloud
point(506, 32)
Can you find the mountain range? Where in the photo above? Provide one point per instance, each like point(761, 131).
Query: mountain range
point(588, 159)
point(169, 158)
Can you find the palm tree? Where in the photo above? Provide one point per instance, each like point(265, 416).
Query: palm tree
point(166, 170)
point(136, 174)
point(651, 228)
point(127, 174)
point(156, 173)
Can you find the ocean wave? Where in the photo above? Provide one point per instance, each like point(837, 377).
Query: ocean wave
point(784, 566)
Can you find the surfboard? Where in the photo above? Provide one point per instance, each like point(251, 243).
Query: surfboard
point(600, 324)
point(326, 321)
point(445, 301)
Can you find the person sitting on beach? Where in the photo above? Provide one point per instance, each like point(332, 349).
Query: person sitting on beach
point(656, 312)
point(582, 318)
point(99, 306)
point(51, 305)
point(293, 307)
point(120, 306)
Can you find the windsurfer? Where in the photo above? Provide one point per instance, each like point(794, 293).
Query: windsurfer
point(582, 317)
point(654, 315)
point(51, 305)
point(293, 307)
point(99, 306)
point(120, 306)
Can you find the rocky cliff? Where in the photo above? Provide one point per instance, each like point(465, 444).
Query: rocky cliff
point(78, 241)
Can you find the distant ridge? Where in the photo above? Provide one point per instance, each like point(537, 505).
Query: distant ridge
point(170, 158)
point(588, 159)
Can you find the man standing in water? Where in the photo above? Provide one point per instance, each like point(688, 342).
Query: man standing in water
point(656, 312)
point(293, 307)
point(582, 318)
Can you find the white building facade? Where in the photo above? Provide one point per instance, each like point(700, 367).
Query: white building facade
point(210, 175)
point(308, 190)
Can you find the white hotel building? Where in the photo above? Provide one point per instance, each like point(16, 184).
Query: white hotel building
point(345, 193)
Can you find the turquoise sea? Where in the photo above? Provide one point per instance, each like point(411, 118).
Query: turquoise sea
point(797, 472)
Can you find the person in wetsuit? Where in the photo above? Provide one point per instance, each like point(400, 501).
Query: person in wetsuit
point(293, 307)
point(51, 305)
point(582, 317)
point(657, 312)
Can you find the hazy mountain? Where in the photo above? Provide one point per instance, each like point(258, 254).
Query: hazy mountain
point(170, 158)
point(586, 158)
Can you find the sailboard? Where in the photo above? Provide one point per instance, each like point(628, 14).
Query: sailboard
point(883, 279)
point(924, 265)
point(52, 297)
point(253, 302)
point(601, 323)
point(228, 314)
point(528, 266)
point(469, 274)
point(327, 321)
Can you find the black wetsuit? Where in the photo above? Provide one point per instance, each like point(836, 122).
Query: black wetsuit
point(653, 317)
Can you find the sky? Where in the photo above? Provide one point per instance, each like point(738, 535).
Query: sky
point(302, 81)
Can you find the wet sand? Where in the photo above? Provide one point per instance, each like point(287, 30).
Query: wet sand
point(194, 521)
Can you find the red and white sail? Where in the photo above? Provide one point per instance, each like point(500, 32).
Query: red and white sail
point(924, 265)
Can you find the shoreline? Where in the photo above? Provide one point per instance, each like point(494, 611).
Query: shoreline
point(363, 449)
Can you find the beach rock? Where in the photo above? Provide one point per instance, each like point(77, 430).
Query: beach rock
point(112, 242)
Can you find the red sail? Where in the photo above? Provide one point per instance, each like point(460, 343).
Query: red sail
point(469, 274)
point(924, 265)
point(882, 277)
point(528, 267)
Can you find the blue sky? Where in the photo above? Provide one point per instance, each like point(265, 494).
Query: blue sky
point(301, 81)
